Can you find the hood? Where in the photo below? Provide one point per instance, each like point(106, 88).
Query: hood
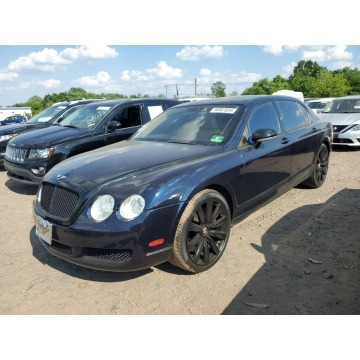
point(341, 118)
point(50, 136)
point(122, 160)
point(16, 128)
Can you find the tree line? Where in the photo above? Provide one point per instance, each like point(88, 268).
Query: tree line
point(313, 80)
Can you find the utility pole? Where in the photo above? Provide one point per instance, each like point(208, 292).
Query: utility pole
point(166, 89)
point(177, 90)
point(195, 87)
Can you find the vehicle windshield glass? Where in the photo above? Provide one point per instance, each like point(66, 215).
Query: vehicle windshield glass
point(47, 114)
point(343, 106)
point(87, 117)
point(201, 124)
point(316, 105)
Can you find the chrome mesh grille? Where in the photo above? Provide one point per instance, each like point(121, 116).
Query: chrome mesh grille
point(14, 154)
point(58, 201)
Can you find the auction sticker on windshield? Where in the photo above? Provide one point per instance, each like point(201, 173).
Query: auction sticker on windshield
point(223, 110)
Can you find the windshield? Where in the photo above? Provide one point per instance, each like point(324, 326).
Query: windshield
point(343, 106)
point(47, 114)
point(316, 105)
point(202, 124)
point(87, 117)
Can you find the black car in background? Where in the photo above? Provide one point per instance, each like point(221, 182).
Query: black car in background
point(51, 115)
point(31, 155)
point(173, 190)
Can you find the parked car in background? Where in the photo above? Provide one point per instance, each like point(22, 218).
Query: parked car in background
point(50, 116)
point(344, 115)
point(173, 190)
point(14, 119)
point(31, 155)
point(317, 105)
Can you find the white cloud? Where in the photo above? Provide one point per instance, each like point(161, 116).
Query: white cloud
point(200, 52)
point(50, 83)
point(205, 72)
point(162, 71)
point(288, 69)
point(244, 77)
point(6, 76)
point(341, 64)
point(52, 60)
point(328, 53)
point(100, 79)
point(273, 49)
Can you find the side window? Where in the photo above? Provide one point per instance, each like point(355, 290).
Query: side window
point(264, 117)
point(244, 140)
point(292, 115)
point(129, 117)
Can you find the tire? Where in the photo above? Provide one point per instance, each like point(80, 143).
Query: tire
point(321, 166)
point(202, 235)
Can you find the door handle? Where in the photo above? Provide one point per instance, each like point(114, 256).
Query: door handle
point(285, 140)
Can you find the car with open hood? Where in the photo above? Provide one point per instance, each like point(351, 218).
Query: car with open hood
point(174, 189)
point(31, 155)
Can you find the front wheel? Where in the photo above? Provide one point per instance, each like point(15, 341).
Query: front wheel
point(202, 232)
point(321, 167)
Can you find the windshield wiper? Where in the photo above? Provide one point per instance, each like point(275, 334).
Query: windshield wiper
point(69, 126)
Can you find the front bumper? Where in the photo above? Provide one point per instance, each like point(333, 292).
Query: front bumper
point(347, 138)
point(115, 245)
point(21, 174)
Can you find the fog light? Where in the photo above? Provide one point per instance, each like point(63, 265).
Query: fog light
point(38, 171)
point(156, 242)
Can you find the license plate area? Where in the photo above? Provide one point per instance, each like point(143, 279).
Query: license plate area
point(43, 229)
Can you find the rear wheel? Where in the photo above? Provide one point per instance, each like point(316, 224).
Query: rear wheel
point(320, 168)
point(202, 232)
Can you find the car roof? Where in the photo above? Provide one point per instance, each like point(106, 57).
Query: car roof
point(239, 100)
point(113, 102)
point(356, 97)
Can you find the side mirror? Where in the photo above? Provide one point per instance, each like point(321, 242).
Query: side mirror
point(263, 135)
point(112, 126)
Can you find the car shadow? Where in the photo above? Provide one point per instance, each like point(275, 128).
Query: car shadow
point(311, 264)
point(339, 148)
point(21, 189)
point(42, 255)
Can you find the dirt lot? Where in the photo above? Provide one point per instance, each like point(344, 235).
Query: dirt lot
point(298, 255)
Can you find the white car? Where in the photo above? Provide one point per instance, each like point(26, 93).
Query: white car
point(317, 105)
point(344, 115)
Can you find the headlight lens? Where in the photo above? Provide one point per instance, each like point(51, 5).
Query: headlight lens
point(132, 207)
point(102, 208)
point(6, 137)
point(356, 128)
point(41, 153)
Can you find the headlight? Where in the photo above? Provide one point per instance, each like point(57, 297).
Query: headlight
point(132, 207)
point(6, 137)
point(41, 153)
point(102, 208)
point(355, 128)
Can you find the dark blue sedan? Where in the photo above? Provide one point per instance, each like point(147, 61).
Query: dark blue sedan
point(173, 191)
point(14, 119)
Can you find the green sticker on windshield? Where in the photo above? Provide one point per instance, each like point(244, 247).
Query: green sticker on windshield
point(217, 138)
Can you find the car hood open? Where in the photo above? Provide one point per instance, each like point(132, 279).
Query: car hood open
point(122, 160)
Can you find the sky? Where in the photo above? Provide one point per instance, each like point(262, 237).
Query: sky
point(27, 70)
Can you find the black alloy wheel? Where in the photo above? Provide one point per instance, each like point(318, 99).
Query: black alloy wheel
point(202, 233)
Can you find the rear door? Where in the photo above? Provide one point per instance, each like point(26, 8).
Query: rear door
point(301, 132)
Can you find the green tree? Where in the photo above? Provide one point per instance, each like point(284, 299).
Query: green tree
point(353, 79)
point(218, 89)
point(234, 93)
point(261, 87)
point(331, 84)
